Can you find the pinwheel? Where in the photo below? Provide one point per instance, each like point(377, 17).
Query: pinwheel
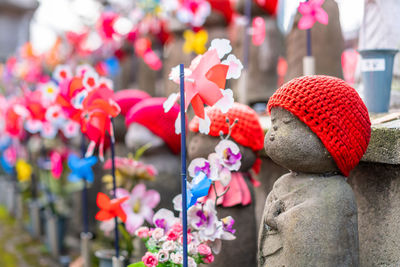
point(24, 170)
point(195, 41)
point(56, 164)
point(110, 208)
point(312, 12)
point(258, 34)
point(203, 85)
point(81, 168)
point(198, 188)
point(98, 108)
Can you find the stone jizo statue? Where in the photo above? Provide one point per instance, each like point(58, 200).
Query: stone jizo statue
point(320, 130)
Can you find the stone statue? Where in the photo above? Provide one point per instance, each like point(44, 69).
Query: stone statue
point(238, 202)
point(147, 124)
point(320, 130)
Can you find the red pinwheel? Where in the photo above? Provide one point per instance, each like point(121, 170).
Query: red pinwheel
point(203, 85)
point(110, 208)
point(98, 108)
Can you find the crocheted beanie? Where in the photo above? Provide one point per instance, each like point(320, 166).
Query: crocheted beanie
point(333, 110)
point(150, 113)
point(127, 98)
point(247, 131)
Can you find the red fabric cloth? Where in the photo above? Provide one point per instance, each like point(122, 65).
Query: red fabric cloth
point(150, 113)
point(238, 193)
point(269, 6)
point(127, 98)
point(333, 110)
point(224, 7)
point(247, 132)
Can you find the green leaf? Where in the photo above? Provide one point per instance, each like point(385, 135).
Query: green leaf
point(141, 151)
point(137, 264)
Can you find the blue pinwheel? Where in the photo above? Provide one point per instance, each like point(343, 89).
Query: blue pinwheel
point(81, 168)
point(198, 188)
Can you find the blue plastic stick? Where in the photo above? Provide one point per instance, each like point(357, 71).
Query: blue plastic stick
point(309, 52)
point(84, 192)
point(246, 46)
point(112, 139)
point(183, 163)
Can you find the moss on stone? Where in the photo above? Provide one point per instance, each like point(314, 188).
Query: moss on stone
point(384, 146)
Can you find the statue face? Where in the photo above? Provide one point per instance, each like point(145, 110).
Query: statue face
point(291, 144)
point(200, 146)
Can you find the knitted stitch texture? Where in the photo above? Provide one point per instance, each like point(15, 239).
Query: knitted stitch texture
point(333, 110)
point(150, 113)
point(247, 131)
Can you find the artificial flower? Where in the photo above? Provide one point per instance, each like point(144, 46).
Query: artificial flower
point(81, 168)
point(110, 208)
point(312, 12)
point(165, 219)
point(139, 206)
point(230, 154)
point(223, 46)
point(194, 12)
point(258, 31)
point(235, 67)
point(131, 168)
point(24, 170)
point(195, 41)
point(150, 260)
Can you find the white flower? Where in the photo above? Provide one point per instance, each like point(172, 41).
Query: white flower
point(162, 255)
point(49, 91)
point(70, 129)
point(90, 79)
point(103, 81)
point(235, 67)
point(191, 262)
point(164, 219)
point(82, 69)
point(198, 164)
point(225, 176)
point(62, 72)
point(230, 155)
point(204, 124)
point(175, 73)
point(169, 245)
point(226, 102)
point(33, 126)
point(48, 131)
point(177, 258)
point(170, 102)
point(177, 201)
point(192, 248)
point(223, 46)
point(55, 115)
point(178, 124)
point(158, 233)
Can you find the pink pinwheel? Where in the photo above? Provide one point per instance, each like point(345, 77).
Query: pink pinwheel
point(139, 206)
point(312, 12)
point(203, 85)
point(56, 164)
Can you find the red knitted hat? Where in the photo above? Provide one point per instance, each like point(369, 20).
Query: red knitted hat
point(247, 131)
point(127, 98)
point(333, 110)
point(150, 113)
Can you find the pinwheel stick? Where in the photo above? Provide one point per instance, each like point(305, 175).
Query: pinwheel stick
point(309, 52)
point(183, 164)
point(84, 192)
point(112, 139)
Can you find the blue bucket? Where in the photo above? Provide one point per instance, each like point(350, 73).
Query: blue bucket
point(377, 72)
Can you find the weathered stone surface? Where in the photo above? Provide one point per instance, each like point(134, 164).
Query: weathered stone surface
point(384, 146)
point(309, 220)
point(291, 144)
point(377, 189)
point(327, 45)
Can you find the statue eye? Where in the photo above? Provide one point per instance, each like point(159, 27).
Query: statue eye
point(286, 120)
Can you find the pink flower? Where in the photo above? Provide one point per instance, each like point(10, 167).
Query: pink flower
point(177, 227)
point(172, 235)
point(150, 260)
point(139, 206)
point(209, 259)
point(142, 232)
point(189, 238)
point(312, 12)
point(158, 233)
point(204, 250)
